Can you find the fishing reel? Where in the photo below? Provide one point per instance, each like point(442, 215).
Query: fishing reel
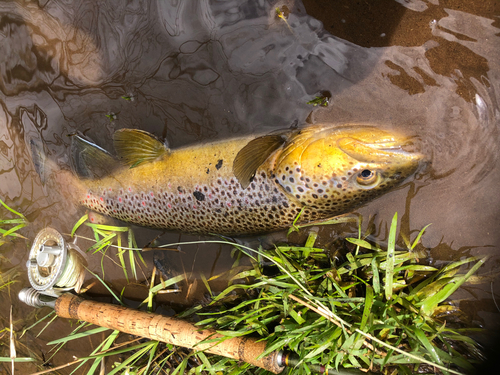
point(54, 265)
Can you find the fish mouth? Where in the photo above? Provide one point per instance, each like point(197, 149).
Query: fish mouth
point(384, 151)
point(408, 149)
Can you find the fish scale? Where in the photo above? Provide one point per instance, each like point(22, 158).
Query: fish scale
point(224, 205)
point(241, 186)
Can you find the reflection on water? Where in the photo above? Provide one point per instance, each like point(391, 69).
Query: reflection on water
point(203, 70)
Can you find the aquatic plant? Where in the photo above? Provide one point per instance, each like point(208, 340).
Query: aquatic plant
point(378, 310)
point(8, 229)
point(106, 236)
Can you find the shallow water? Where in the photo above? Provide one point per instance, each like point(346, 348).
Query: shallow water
point(205, 70)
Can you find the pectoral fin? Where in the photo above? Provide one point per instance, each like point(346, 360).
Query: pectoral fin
point(89, 160)
point(137, 146)
point(251, 157)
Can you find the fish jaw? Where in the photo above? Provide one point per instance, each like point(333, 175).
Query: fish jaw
point(339, 168)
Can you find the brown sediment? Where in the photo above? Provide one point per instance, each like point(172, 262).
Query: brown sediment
point(363, 22)
point(404, 80)
point(450, 57)
point(166, 329)
point(408, 28)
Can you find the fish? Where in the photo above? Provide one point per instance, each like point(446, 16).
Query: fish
point(242, 186)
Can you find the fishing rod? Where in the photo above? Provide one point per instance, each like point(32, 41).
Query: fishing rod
point(56, 267)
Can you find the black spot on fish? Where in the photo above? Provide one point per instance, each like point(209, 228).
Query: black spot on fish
point(207, 171)
point(180, 189)
point(219, 164)
point(199, 195)
point(319, 165)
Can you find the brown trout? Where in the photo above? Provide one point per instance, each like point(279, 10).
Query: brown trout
point(241, 186)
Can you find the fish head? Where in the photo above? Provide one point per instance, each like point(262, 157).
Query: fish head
point(336, 169)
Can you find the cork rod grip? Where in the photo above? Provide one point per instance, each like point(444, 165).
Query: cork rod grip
point(166, 329)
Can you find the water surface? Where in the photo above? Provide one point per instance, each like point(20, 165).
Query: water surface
point(199, 71)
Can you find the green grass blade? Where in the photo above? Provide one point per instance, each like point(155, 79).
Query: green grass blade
point(362, 243)
point(78, 335)
point(106, 286)
point(431, 303)
point(78, 224)
point(12, 221)
point(11, 232)
point(427, 344)
point(105, 345)
point(133, 358)
point(119, 253)
point(376, 276)
point(107, 228)
point(419, 235)
point(207, 285)
point(132, 263)
point(367, 308)
point(103, 242)
point(391, 245)
point(12, 210)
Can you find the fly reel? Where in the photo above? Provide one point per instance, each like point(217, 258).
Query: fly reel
point(55, 266)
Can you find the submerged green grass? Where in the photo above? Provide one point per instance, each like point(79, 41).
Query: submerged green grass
point(107, 236)
point(8, 230)
point(378, 310)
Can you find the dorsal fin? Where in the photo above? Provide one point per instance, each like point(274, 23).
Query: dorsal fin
point(89, 160)
point(251, 157)
point(135, 146)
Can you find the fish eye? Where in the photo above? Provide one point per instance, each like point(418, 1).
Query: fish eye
point(366, 177)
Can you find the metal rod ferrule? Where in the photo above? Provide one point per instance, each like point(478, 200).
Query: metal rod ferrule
point(33, 297)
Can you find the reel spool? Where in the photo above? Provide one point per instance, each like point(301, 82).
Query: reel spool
point(54, 266)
